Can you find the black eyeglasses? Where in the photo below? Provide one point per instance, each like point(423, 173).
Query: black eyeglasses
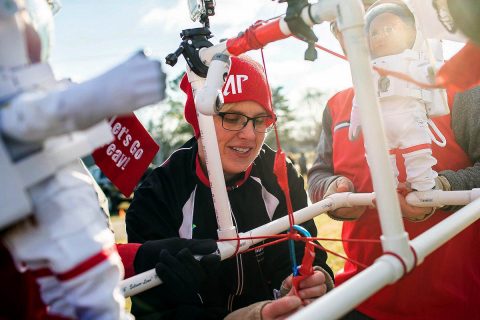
point(236, 122)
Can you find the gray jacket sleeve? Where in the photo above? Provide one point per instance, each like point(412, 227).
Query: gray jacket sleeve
point(466, 127)
point(320, 175)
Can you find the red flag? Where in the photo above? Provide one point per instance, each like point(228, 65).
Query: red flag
point(127, 157)
point(462, 71)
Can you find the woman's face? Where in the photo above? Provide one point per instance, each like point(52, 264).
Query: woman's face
point(389, 34)
point(238, 149)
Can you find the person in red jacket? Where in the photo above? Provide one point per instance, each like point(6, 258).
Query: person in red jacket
point(447, 284)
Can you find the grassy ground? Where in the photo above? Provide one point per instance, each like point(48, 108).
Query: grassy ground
point(118, 226)
point(328, 228)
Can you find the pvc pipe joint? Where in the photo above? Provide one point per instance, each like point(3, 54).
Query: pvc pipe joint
point(394, 244)
point(209, 98)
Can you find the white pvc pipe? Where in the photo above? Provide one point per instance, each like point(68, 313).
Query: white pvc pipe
point(209, 98)
point(206, 54)
point(351, 23)
point(394, 238)
point(350, 199)
point(438, 198)
point(213, 162)
point(226, 249)
point(325, 10)
point(423, 244)
point(226, 229)
point(346, 297)
point(139, 283)
point(436, 236)
point(387, 269)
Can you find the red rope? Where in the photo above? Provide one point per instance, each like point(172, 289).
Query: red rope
point(333, 53)
point(306, 268)
point(295, 236)
point(250, 238)
point(237, 248)
point(285, 238)
point(399, 258)
point(386, 72)
point(344, 240)
point(280, 169)
point(415, 257)
point(251, 38)
point(318, 246)
point(280, 166)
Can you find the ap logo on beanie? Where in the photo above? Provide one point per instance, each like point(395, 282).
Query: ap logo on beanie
point(234, 84)
point(245, 82)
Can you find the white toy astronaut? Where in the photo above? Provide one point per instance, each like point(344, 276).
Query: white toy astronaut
point(51, 219)
point(397, 45)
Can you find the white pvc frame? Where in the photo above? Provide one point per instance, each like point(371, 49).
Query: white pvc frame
point(387, 269)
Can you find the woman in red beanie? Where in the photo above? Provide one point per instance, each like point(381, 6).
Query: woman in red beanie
point(175, 203)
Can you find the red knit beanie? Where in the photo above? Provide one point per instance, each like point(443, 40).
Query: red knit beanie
point(245, 82)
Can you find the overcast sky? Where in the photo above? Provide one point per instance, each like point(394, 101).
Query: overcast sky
point(94, 35)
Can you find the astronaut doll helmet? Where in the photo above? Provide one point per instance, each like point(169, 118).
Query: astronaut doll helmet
point(26, 29)
point(391, 28)
point(409, 29)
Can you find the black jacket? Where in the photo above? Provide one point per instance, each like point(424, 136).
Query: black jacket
point(174, 202)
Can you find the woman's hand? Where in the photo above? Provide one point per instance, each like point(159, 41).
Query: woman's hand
point(281, 308)
point(310, 288)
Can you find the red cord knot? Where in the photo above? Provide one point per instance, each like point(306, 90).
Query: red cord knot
point(246, 40)
point(293, 235)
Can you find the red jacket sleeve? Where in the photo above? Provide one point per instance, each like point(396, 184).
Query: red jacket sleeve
point(127, 252)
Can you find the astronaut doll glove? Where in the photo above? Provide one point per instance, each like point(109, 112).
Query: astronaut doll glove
point(137, 82)
point(37, 115)
point(355, 125)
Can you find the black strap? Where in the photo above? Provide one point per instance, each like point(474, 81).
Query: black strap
point(299, 28)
